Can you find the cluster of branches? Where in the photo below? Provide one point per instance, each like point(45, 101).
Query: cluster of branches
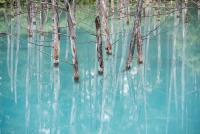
point(102, 18)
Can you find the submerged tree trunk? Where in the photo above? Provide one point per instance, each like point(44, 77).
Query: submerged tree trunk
point(136, 35)
point(56, 42)
point(104, 14)
point(99, 45)
point(71, 9)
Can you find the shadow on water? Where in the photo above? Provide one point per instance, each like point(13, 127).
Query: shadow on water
point(160, 96)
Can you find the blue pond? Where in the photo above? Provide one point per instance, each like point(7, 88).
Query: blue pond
point(160, 96)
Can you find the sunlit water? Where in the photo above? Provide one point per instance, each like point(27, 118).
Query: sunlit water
point(160, 96)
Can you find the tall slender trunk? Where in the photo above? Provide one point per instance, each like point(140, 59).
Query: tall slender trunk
point(71, 10)
point(99, 45)
point(56, 42)
point(139, 44)
point(136, 35)
point(120, 8)
point(112, 7)
point(42, 16)
point(127, 3)
point(158, 9)
point(178, 7)
point(30, 9)
point(104, 14)
point(198, 4)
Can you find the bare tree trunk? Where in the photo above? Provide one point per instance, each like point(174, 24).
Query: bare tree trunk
point(185, 11)
point(70, 5)
point(112, 7)
point(104, 14)
point(30, 17)
point(158, 9)
point(136, 33)
point(120, 7)
point(99, 45)
point(139, 45)
point(42, 16)
point(127, 3)
point(178, 7)
point(56, 42)
point(198, 4)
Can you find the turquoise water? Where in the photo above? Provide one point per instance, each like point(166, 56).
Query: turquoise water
point(160, 96)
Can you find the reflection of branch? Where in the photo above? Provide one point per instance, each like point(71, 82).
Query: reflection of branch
point(39, 49)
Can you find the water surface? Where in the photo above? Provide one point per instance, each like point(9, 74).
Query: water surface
point(160, 96)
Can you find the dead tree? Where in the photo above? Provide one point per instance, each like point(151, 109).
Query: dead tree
point(99, 45)
point(158, 9)
point(120, 7)
point(136, 37)
point(179, 7)
point(56, 42)
point(104, 14)
point(112, 7)
point(127, 3)
point(42, 15)
point(71, 10)
point(31, 15)
point(198, 3)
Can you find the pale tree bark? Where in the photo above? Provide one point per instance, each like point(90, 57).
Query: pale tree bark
point(178, 7)
point(198, 4)
point(185, 11)
point(98, 8)
point(56, 42)
point(71, 10)
point(104, 14)
point(42, 16)
point(136, 37)
point(127, 3)
point(158, 9)
point(99, 45)
point(120, 7)
point(112, 7)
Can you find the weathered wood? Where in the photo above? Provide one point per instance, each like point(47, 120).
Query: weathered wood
point(42, 16)
point(31, 15)
point(56, 42)
point(120, 7)
point(104, 14)
point(71, 9)
point(158, 10)
point(127, 3)
point(139, 45)
point(112, 7)
point(99, 45)
point(136, 33)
